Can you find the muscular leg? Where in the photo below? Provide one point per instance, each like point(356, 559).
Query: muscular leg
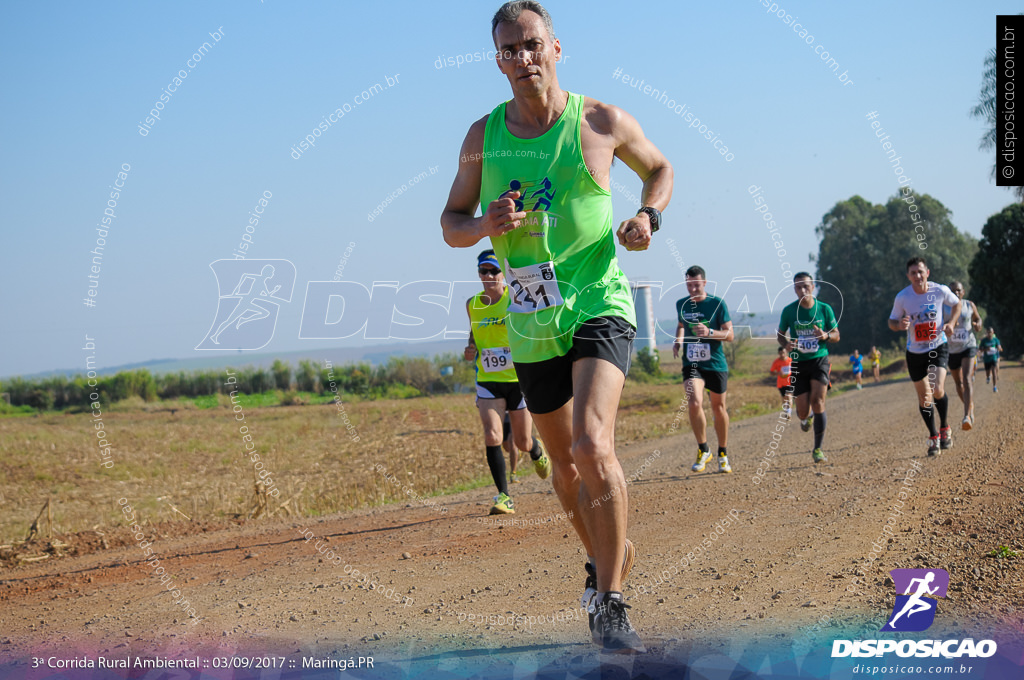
point(513, 454)
point(522, 429)
point(491, 412)
point(803, 405)
point(925, 404)
point(695, 408)
point(556, 430)
point(924, 393)
point(597, 385)
point(968, 386)
point(817, 399)
point(721, 418)
point(817, 396)
point(956, 373)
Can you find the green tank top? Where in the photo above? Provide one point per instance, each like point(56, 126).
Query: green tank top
point(493, 356)
point(560, 264)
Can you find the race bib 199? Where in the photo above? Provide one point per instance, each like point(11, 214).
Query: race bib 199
point(533, 287)
point(807, 344)
point(495, 359)
point(698, 351)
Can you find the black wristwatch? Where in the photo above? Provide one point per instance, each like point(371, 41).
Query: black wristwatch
point(655, 216)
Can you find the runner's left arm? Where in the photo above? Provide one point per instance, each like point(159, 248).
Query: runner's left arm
point(643, 158)
point(975, 318)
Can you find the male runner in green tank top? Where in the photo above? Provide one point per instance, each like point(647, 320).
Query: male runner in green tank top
point(539, 166)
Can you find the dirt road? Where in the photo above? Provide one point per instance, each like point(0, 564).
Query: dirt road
point(788, 563)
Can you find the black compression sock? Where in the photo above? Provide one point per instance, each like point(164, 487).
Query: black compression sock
point(819, 428)
point(942, 405)
point(496, 461)
point(928, 414)
point(721, 450)
point(703, 447)
point(535, 452)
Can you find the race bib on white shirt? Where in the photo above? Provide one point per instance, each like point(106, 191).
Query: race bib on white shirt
point(533, 287)
point(495, 359)
point(698, 351)
point(961, 336)
point(807, 344)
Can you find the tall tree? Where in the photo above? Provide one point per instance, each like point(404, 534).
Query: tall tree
point(998, 276)
point(985, 109)
point(863, 254)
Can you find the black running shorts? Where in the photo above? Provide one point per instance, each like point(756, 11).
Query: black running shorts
point(547, 385)
point(509, 391)
point(918, 365)
point(958, 358)
point(804, 372)
point(714, 381)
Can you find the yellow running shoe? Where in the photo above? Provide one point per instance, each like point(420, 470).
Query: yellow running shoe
point(702, 458)
point(543, 464)
point(503, 505)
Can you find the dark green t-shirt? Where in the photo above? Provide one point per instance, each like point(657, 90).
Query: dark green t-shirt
point(989, 349)
point(712, 312)
point(799, 324)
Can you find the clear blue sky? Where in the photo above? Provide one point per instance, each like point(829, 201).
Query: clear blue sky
point(79, 78)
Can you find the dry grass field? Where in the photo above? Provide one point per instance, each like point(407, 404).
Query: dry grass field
point(193, 462)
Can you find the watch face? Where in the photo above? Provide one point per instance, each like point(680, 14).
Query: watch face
point(654, 216)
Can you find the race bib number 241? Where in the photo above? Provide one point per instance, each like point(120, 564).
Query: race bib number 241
point(533, 287)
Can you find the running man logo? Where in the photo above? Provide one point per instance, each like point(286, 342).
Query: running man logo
point(538, 192)
point(250, 296)
point(913, 610)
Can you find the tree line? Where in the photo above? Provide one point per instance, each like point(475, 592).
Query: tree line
point(864, 249)
point(401, 376)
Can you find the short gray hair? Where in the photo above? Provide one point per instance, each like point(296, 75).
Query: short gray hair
point(511, 11)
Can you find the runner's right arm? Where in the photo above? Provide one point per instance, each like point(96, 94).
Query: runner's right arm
point(898, 319)
point(462, 229)
point(680, 333)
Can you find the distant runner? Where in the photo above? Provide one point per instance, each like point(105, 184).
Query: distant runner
point(703, 326)
point(858, 367)
point(497, 386)
point(918, 311)
point(876, 362)
point(963, 347)
point(991, 350)
point(782, 368)
point(804, 329)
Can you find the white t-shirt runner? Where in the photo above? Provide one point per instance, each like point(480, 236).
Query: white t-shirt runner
point(925, 312)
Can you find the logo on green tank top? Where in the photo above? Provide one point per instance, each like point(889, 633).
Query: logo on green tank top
point(539, 192)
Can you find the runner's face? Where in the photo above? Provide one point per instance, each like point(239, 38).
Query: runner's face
point(958, 291)
point(918, 276)
point(804, 288)
point(493, 279)
point(526, 53)
point(695, 286)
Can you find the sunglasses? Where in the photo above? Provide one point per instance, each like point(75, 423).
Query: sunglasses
point(488, 271)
